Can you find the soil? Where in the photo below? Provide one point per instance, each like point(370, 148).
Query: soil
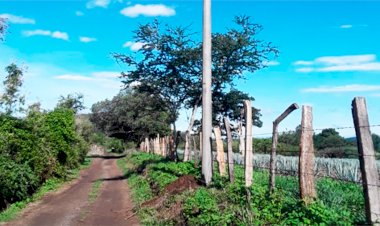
point(71, 205)
point(184, 183)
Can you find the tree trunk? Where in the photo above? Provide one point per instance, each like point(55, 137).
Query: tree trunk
point(187, 141)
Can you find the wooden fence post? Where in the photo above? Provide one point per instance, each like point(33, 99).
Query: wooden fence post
point(194, 148)
point(230, 154)
point(272, 167)
point(306, 157)
point(220, 151)
point(146, 145)
point(157, 144)
point(248, 143)
point(368, 167)
point(142, 145)
point(199, 158)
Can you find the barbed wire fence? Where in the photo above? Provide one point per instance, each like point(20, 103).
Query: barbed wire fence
point(355, 163)
point(300, 163)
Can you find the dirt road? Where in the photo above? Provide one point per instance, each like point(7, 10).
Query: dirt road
point(80, 203)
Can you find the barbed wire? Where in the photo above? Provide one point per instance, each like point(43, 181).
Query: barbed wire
point(294, 173)
point(317, 129)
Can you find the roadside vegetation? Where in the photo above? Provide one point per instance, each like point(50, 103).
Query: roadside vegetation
point(39, 149)
point(224, 203)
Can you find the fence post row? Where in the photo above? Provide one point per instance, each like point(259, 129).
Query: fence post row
point(248, 143)
point(368, 167)
point(220, 151)
point(306, 157)
point(272, 166)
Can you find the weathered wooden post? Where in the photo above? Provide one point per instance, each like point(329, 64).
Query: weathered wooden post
point(171, 147)
point(306, 157)
point(230, 154)
point(146, 144)
point(248, 144)
point(186, 154)
point(220, 151)
point(368, 167)
point(163, 146)
point(272, 167)
point(194, 149)
point(198, 160)
point(241, 136)
point(157, 144)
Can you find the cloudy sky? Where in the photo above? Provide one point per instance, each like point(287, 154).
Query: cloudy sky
point(329, 51)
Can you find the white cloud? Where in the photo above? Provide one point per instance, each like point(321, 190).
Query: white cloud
point(271, 63)
point(36, 32)
point(17, 19)
point(375, 66)
point(60, 35)
point(79, 13)
point(134, 46)
point(74, 77)
point(98, 3)
point(148, 10)
point(365, 62)
point(346, 26)
point(304, 69)
point(344, 60)
point(340, 89)
point(106, 74)
point(87, 39)
point(303, 62)
point(53, 34)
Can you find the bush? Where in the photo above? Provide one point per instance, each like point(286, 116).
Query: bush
point(36, 148)
point(17, 181)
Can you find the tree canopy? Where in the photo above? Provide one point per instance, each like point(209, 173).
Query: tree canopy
point(11, 99)
point(132, 115)
point(170, 62)
point(71, 101)
point(329, 138)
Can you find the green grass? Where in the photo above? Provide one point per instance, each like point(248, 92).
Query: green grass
point(140, 187)
point(95, 189)
point(50, 185)
point(223, 203)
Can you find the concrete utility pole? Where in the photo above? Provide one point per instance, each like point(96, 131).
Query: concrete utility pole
point(206, 94)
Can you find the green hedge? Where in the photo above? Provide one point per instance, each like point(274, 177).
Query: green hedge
point(35, 148)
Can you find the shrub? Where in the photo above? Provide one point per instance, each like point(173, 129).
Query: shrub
point(17, 181)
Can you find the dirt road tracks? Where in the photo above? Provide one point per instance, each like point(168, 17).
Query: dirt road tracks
point(82, 203)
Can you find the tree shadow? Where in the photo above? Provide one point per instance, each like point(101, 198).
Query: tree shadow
point(107, 156)
point(138, 170)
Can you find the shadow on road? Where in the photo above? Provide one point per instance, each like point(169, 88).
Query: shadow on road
point(107, 156)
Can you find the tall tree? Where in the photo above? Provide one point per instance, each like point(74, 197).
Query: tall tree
point(169, 63)
point(71, 101)
point(11, 99)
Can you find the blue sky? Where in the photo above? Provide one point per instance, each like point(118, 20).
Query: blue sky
point(329, 51)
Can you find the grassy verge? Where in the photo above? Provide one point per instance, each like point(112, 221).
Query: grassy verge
point(223, 203)
point(94, 193)
point(50, 185)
